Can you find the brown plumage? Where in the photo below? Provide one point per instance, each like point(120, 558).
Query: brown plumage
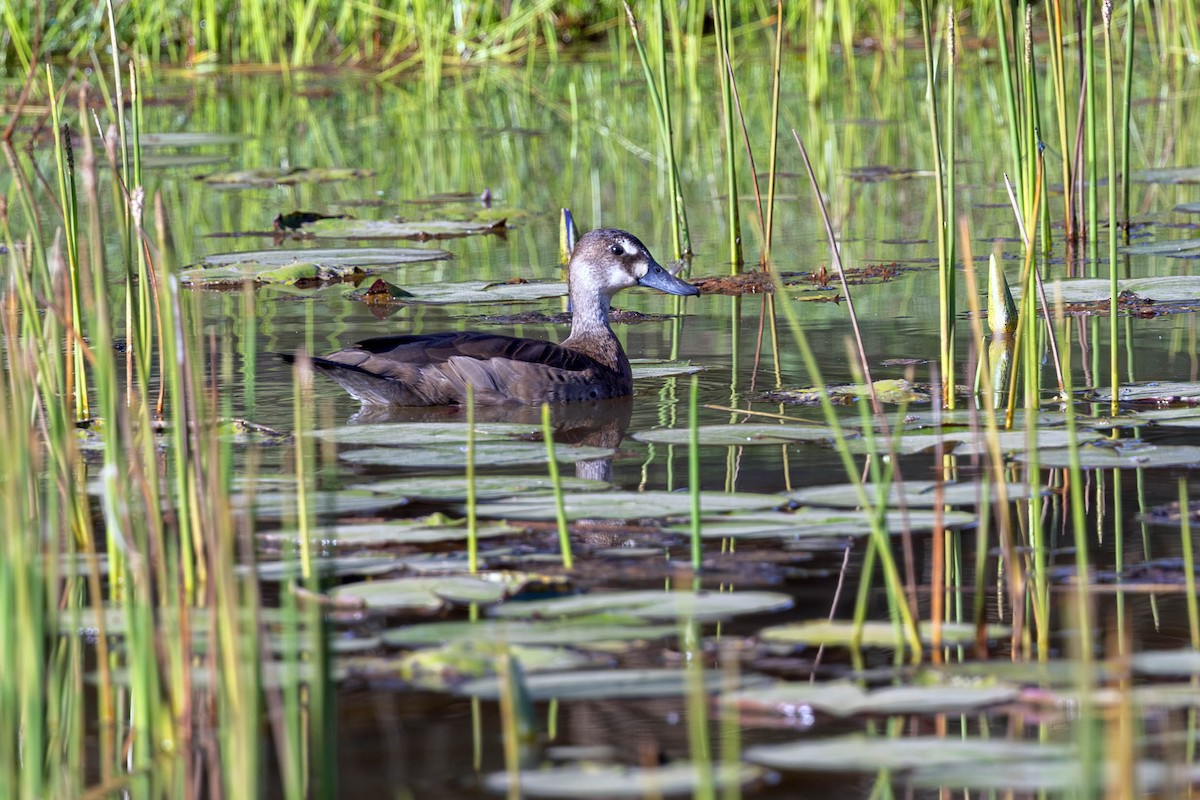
point(435, 369)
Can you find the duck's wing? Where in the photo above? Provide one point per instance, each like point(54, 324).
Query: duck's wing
point(436, 369)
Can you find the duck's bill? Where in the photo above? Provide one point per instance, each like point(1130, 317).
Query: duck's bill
point(658, 278)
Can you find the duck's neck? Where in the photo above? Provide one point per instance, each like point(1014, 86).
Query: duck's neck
point(590, 331)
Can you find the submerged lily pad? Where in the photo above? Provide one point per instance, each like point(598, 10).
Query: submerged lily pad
point(578, 631)
point(619, 781)
point(736, 435)
point(287, 267)
point(629, 505)
point(874, 634)
point(859, 753)
point(915, 494)
point(487, 487)
point(422, 594)
point(842, 699)
point(1135, 455)
point(389, 229)
point(606, 684)
point(487, 454)
point(652, 605)
point(282, 177)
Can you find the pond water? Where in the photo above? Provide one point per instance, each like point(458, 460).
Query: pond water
point(581, 135)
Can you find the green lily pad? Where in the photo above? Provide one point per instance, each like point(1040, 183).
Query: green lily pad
point(819, 523)
point(443, 668)
point(817, 632)
point(288, 267)
point(916, 494)
point(1151, 392)
point(659, 368)
point(487, 454)
point(842, 699)
point(406, 434)
point(629, 505)
point(328, 566)
point(966, 442)
point(487, 487)
point(859, 753)
point(422, 594)
point(186, 139)
point(282, 177)
point(652, 605)
point(1167, 662)
point(286, 503)
point(579, 632)
point(477, 292)
point(1168, 175)
point(606, 684)
point(892, 390)
point(1048, 775)
point(616, 781)
point(400, 531)
point(1131, 457)
point(737, 435)
point(1091, 290)
point(388, 229)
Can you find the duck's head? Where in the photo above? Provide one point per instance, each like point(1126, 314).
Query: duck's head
point(607, 260)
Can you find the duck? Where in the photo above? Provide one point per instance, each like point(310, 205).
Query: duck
point(436, 369)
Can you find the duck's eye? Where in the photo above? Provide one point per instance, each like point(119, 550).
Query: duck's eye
point(617, 250)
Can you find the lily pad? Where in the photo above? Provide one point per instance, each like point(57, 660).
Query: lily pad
point(1168, 175)
point(186, 139)
point(1133, 456)
point(478, 292)
point(487, 487)
point(327, 566)
point(652, 605)
point(388, 229)
point(629, 505)
point(916, 494)
point(282, 177)
point(287, 267)
point(874, 634)
point(422, 594)
point(737, 435)
point(285, 504)
point(1090, 290)
point(406, 434)
point(1161, 392)
point(820, 523)
point(487, 454)
point(869, 754)
point(606, 684)
point(618, 781)
point(443, 668)
point(380, 534)
point(895, 390)
point(660, 368)
point(1167, 662)
point(966, 443)
point(579, 631)
point(842, 699)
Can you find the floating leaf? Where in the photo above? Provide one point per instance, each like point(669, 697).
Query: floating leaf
point(1091, 290)
point(916, 494)
point(477, 292)
point(843, 699)
point(406, 434)
point(379, 534)
point(1167, 662)
point(818, 523)
point(282, 177)
point(487, 454)
point(285, 504)
point(1168, 175)
point(422, 594)
point(288, 267)
point(388, 229)
point(619, 781)
point(330, 566)
point(606, 684)
point(185, 139)
point(487, 487)
point(1135, 455)
point(1162, 392)
point(894, 390)
point(874, 634)
point(652, 605)
point(579, 631)
point(966, 442)
point(859, 753)
point(662, 368)
point(737, 435)
point(629, 505)
point(442, 668)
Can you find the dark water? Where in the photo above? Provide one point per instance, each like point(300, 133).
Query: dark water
point(581, 136)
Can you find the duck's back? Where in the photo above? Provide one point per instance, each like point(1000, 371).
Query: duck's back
point(435, 369)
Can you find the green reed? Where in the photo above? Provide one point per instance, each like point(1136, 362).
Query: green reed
point(772, 157)
point(720, 9)
point(560, 513)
